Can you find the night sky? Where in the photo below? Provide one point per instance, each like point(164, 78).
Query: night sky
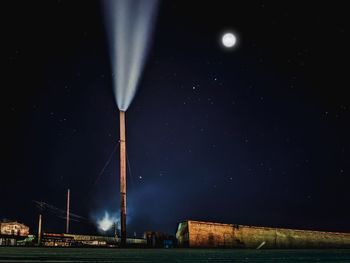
point(256, 135)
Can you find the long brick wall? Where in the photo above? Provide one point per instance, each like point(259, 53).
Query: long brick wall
point(205, 234)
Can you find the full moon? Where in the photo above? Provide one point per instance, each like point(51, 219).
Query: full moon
point(229, 40)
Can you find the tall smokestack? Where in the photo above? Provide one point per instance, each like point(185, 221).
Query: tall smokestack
point(122, 178)
point(68, 208)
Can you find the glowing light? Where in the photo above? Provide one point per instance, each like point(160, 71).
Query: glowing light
point(106, 222)
point(129, 26)
point(229, 40)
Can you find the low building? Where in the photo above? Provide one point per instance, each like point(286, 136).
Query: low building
point(11, 232)
point(13, 228)
point(159, 240)
point(72, 240)
point(198, 234)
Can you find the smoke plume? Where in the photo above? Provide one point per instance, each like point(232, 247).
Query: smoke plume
point(129, 26)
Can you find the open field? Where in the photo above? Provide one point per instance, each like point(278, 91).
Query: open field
point(15, 254)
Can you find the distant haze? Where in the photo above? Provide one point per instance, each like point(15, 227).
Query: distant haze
point(129, 26)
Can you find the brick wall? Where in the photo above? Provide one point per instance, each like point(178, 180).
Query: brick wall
point(205, 234)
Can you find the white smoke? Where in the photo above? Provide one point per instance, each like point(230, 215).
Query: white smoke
point(129, 26)
point(106, 222)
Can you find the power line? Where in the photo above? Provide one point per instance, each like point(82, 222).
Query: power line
point(129, 168)
point(106, 164)
point(59, 212)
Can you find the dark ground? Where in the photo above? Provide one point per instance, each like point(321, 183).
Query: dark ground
point(171, 255)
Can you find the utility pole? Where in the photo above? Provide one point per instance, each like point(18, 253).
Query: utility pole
point(39, 224)
point(68, 207)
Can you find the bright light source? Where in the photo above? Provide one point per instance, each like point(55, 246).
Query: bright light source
point(229, 40)
point(106, 222)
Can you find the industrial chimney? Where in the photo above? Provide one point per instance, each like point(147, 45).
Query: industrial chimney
point(122, 178)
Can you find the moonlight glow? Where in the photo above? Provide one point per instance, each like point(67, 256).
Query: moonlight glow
point(229, 40)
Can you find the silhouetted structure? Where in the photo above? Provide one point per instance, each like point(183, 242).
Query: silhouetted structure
point(159, 240)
